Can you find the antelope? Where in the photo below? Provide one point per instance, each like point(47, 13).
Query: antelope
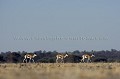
point(29, 56)
point(61, 57)
point(88, 57)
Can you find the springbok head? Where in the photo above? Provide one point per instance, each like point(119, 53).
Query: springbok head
point(92, 55)
point(34, 55)
point(66, 55)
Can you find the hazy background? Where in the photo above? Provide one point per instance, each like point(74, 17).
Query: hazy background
point(62, 18)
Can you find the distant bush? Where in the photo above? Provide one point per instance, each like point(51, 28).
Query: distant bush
point(50, 57)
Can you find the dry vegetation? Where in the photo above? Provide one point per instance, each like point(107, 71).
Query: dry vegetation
point(60, 71)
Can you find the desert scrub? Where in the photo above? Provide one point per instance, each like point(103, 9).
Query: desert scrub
point(60, 71)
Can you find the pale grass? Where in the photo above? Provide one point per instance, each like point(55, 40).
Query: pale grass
point(60, 71)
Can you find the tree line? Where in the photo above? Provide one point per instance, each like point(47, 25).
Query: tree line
point(50, 56)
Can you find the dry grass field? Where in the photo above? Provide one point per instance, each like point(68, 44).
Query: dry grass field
point(60, 71)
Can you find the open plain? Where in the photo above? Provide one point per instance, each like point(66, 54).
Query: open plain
point(60, 71)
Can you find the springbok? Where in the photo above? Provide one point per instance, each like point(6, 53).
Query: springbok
point(29, 56)
point(88, 57)
point(61, 57)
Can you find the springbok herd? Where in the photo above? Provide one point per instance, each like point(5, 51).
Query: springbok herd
point(59, 57)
